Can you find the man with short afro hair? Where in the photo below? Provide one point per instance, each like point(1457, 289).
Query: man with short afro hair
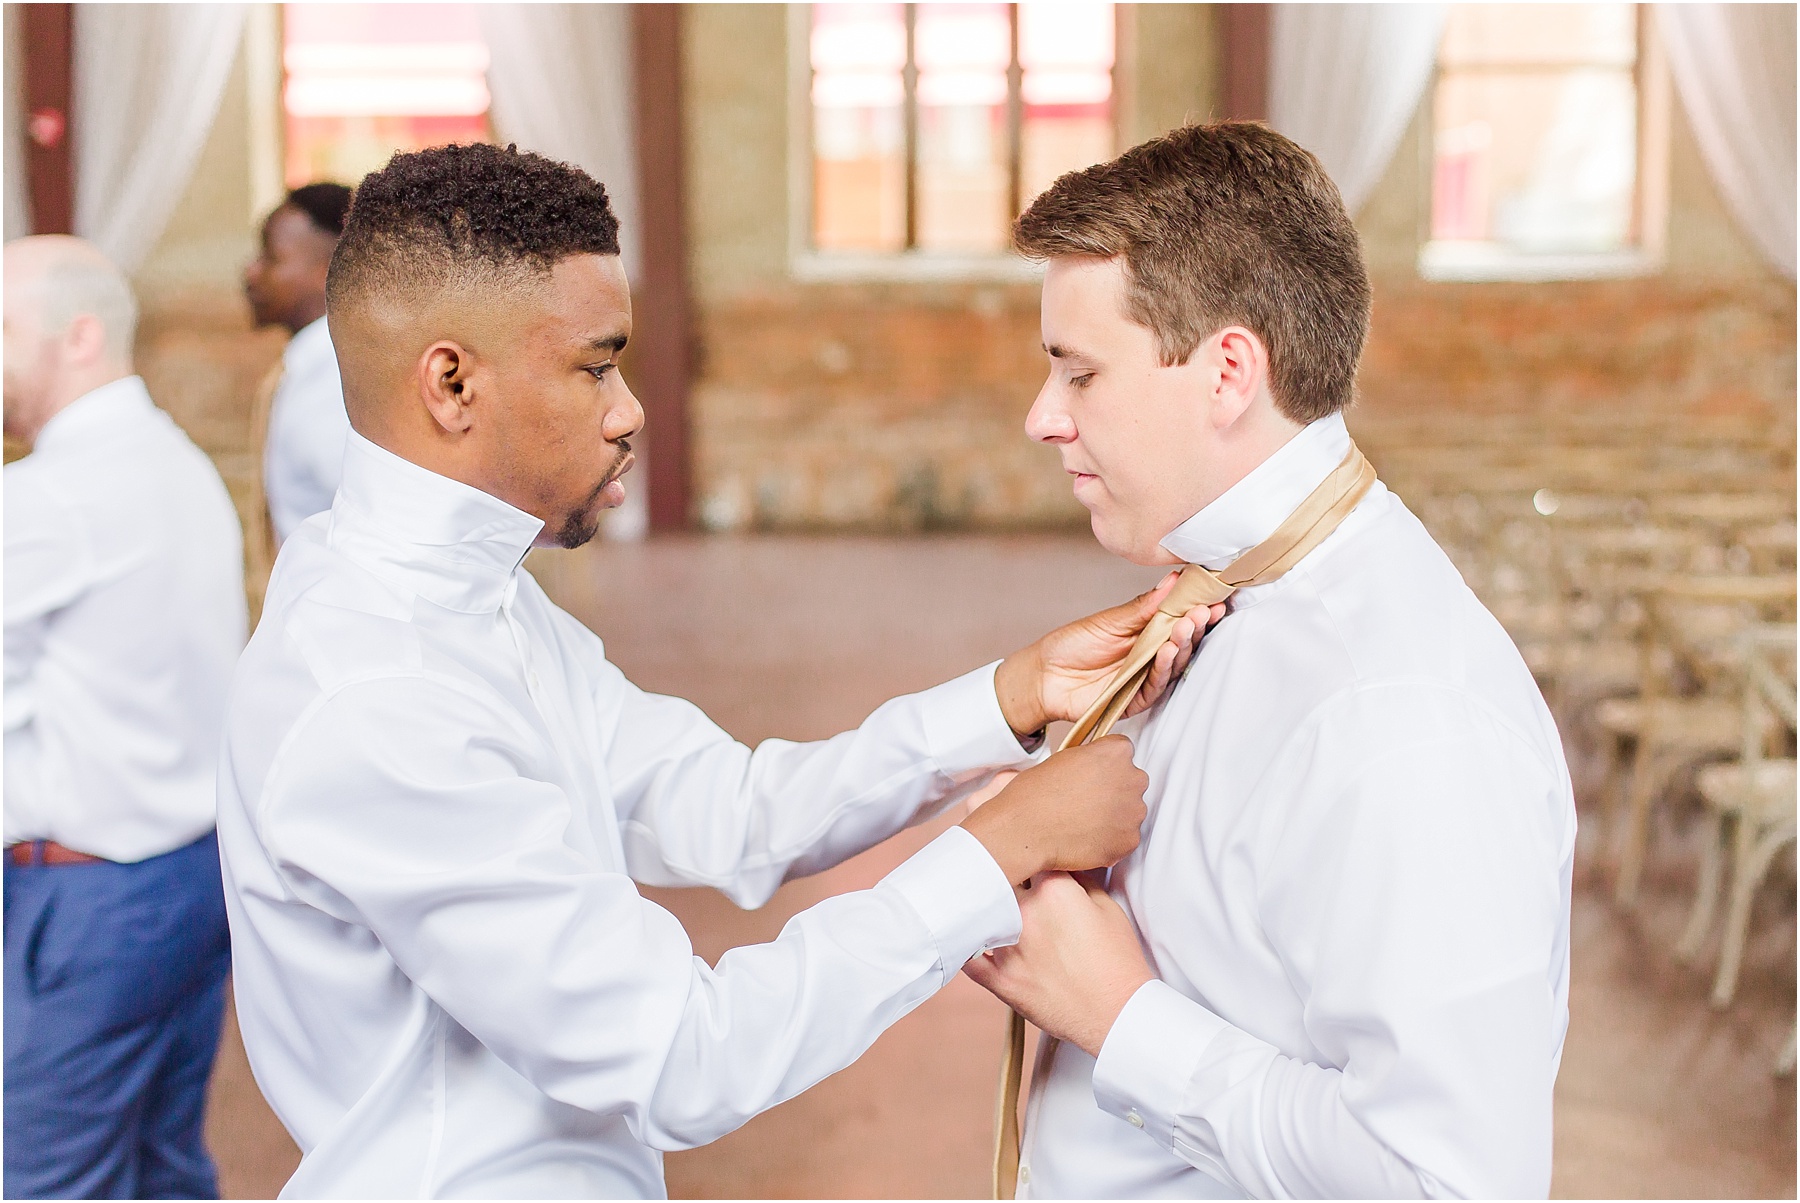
point(300, 411)
point(437, 796)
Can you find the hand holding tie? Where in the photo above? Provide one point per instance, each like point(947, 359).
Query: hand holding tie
point(1064, 673)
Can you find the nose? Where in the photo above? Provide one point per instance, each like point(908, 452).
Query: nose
point(1049, 421)
point(626, 418)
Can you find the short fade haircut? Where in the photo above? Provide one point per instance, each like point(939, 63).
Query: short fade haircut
point(325, 205)
point(1221, 225)
point(458, 215)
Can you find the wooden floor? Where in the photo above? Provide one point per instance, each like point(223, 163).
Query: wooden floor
point(1659, 1096)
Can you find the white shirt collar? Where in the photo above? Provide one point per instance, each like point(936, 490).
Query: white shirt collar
point(311, 343)
point(449, 542)
point(1249, 511)
point(94, 414)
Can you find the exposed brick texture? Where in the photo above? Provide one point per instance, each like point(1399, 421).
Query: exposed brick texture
point(891, 408)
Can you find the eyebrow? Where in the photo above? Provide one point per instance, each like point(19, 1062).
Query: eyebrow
point(613, 343)
point(1057, 351)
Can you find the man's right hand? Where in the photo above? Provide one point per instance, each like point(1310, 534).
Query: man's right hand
point(1080, 809)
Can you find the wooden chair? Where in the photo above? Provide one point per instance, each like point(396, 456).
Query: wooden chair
point(1751, 802)
point(1686, 710)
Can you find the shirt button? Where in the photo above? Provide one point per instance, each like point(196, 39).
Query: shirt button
point(1024, 1175)
point(1134, 1119)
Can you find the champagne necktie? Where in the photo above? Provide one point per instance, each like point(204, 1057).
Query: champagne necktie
point(1304, 529)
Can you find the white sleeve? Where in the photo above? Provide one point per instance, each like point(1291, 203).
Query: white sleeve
point(698, 808)
point(418, 809)
point(49, 564)
point(1415, 906)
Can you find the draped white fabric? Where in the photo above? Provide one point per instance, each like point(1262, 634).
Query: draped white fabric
point(1346, 79)
point(1734, 67)
point(147, 83)
point(560, 82)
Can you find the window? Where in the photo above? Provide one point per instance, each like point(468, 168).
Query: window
point(366, 80)
point(933, 125)
point(1544, 143)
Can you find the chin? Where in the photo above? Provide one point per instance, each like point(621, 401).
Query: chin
point(1128, 546)
point(578, 529)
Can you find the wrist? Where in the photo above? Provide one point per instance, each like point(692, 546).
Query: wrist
point(1109, 1004)
point(1009, 842)
point(1018, 686)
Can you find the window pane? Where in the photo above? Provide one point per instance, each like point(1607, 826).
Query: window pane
point(1539, 162)
point(859, 132)
point(366, 80)
point(962, 52)
point(1535, 118)
point(1592, 35)
point(1066, 51)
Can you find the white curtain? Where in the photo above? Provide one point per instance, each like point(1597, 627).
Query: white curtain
point(1346, 79)
point(147, 83)
point(560, 82)
point(1734, 67)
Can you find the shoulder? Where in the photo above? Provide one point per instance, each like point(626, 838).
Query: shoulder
point(38, 500)
point(1394, 609)
point(326, 615)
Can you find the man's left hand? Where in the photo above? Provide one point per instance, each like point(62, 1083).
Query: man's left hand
point(1076, 965)
point(1060, 675)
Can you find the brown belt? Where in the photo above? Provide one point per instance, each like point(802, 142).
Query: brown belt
point(48, 852)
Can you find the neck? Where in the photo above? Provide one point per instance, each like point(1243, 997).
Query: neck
point(64, 393)
point(1241, 449)
point(305, 314)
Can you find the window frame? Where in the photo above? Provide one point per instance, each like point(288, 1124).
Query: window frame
point(1442, 262)
point(808, 264)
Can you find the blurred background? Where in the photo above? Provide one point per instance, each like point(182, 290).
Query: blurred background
point(1580, 224)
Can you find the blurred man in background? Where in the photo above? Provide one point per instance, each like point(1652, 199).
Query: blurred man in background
point(302, 415)
point(124, 615)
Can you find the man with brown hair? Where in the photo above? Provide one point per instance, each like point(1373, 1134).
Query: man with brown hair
point(1337, 965)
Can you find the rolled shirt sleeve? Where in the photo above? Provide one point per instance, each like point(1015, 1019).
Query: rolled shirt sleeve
point(480, 880)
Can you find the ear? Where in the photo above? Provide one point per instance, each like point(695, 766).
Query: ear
point(84, 342)
point(443, 381)
point(1243, 365)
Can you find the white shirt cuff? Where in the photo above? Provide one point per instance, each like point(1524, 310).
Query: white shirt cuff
point(961, 894)
point(966, 730)
point(1150, 1058)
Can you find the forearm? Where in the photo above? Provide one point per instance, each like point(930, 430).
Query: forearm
point(774, 1019)
point(715, 813)
point(1280, 1127)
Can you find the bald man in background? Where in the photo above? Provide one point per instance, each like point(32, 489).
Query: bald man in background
point(124, 614)
point(303, 453)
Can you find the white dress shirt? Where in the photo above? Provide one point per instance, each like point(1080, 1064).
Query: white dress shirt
point(1353, 887)
point(304, 457)
point(124, 615)
point(435, 796)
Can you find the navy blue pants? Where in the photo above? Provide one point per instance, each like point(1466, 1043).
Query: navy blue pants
point(115, 992)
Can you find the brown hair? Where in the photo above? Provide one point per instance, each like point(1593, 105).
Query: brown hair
point(1222, 225)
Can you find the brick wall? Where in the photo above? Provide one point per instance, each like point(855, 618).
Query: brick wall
point(848, 407)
